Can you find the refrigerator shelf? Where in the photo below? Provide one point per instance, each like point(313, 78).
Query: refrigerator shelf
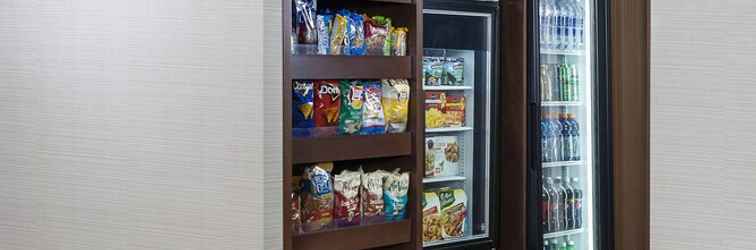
point(444, 130)
point(561, 52)
point(453, 240)
point(444, 179)
point(443, 88)
point(561, 104)
point(562, 164)
point(563, 233)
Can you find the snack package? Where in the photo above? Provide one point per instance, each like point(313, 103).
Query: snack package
point(372, 196)
point(453, 212)
point(296, 205)
point(373, 121)
point(433, 70)
point(356, 34)
point(305, 21)
point(347, 210)
point(395, 104)
point(454, 110)
point(399, 41)
point(442, 156)
point(338, 35)
point(434, 105)
point(352, 99)
point(324, 22)
point(376, 35)
point(317, 197)
point(302, 109)
point(395, 188)
point(432, 226)
point(454, 69)
point(327, 107)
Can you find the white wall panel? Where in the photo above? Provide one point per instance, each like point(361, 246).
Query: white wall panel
point(703, 124)
point(139, 124)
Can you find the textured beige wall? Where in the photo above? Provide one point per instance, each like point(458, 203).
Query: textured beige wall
point(703, 125)
point(139, 124)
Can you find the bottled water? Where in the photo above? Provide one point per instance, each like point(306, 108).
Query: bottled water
point(548, 21)
point(579, 23)
point(542, 23)
point(570, 27)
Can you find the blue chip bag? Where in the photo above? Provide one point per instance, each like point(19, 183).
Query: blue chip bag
point(324, 24)
point(395, 188)
point(357, 35)
point(373, 120)
point(302, 109)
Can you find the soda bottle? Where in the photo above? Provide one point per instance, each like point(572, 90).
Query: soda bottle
point(578, 206)
point(573, 82)
point(544, 126)
point(566, 137)
point(564, 80)
point(545, 201)
point(558, 185)
point(554, 244)
point(574, 137)
point(554, 216)
point(569, 215)
point(563, 246)
point(571, 245)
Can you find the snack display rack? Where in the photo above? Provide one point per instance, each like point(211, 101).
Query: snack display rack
point(384, 151)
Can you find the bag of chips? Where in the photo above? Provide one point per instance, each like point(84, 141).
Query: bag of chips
point(433, 70)
point(432, 226)
point(454, 69)
point(338, 35)
point(395, 104)
point(327, 107)
point(352, 99)
point(372, 196)
point(376, 36)
point(453, 212)
point(324, 22)
point(356, 34)
point(454, 110)
point(395, 188)
point(399, 41)
point(296, 206)
point(305, 21)
point(317, 197)
point(373, 121)
point(347, 210)
point(302, 109)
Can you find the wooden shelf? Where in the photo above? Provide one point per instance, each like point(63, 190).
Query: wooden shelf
point(357, 237)
point(341, 148)
point(351, 67)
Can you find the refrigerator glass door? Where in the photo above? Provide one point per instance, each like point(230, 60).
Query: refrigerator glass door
point(566, 124)
point(457, 81)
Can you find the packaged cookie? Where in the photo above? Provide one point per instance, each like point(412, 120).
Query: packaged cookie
point(395, 101)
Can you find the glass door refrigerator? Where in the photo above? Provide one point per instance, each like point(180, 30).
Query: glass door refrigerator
point(459, 79)
point(570, 208)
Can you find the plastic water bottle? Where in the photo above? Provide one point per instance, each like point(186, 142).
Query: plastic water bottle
point(566, 137)
point(543, 22)
point(545, 149)
point(579, 23)
point(570, 26)
point(549, 22)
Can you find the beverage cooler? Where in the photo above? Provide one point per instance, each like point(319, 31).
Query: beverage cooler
point(459, 82)
point(568, 196)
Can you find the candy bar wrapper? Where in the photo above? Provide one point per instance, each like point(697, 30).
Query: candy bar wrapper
point(327, 107)
point(347, 210)
point(373, 121)
point(325, 22)
point(303, 109)
point(395, 188)
point(399, 41)
point(395, 101)
point(352, 100)
point(338, 35)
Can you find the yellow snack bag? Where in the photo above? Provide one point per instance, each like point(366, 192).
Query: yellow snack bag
point(395, 104)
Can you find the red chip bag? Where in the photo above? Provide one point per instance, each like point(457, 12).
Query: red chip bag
point(327, 106)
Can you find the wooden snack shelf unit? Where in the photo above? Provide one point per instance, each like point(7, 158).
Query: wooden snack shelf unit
point(402, 150)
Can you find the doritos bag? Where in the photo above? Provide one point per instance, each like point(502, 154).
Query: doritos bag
point(327, 106)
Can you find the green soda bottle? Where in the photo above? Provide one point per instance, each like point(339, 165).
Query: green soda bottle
point(571, 245)
point(563, 246)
